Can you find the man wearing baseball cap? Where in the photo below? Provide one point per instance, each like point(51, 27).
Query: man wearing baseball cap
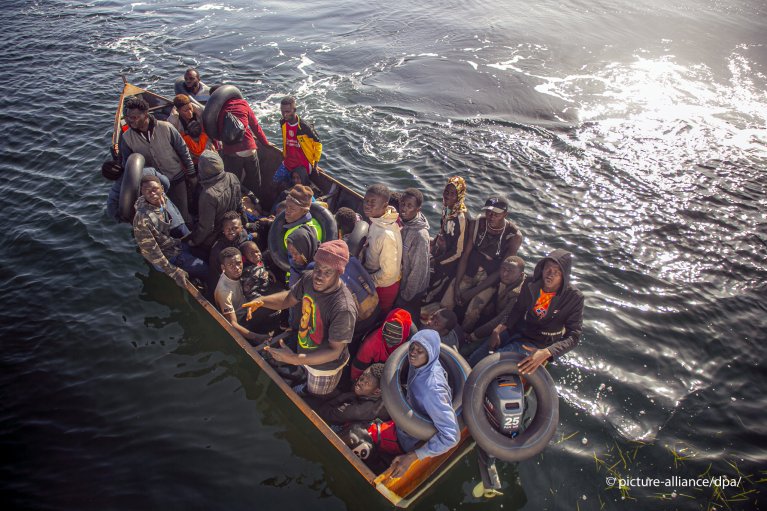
point(328, 315)
point(494, 239)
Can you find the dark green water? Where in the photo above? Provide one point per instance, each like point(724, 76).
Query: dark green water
point(630, 133)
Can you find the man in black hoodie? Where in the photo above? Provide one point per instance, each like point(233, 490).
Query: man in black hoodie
point(546, 321)
point(220, 193)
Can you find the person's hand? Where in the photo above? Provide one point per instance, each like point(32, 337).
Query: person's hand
point(252, 307)
point(457, 296)
point(401, 463)
point(180, 276)
point(191, 184)
point(253, 336)
point(531, 363)
point(282, 354)
point(494, 341)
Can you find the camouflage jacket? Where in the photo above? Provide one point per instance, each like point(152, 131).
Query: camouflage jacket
point(151, 229)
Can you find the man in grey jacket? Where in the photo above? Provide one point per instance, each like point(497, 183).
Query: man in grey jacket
point(163, 148)
point(415, 254)
point(220, 193)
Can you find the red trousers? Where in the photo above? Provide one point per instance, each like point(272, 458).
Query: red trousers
point(386, 296)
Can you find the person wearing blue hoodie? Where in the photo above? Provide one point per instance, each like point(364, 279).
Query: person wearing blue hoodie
point(429, 395)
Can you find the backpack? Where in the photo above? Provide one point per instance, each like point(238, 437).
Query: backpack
point(361, 285)
point(233, 130)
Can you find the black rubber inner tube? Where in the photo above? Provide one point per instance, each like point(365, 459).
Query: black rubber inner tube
point(213, 108)
point(401, 412)
point(357, 238)
point(277, 233)
point(538, 433)
point(129, 189)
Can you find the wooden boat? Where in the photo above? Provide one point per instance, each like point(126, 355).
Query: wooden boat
point(401, 492)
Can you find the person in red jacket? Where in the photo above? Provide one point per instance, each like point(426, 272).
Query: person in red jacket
point(241, 158)
point(381, 343)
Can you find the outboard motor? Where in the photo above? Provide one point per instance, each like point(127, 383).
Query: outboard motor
point(505, 404)
point(504, 407)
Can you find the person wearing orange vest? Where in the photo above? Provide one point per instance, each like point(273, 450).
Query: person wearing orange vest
point(189, 125)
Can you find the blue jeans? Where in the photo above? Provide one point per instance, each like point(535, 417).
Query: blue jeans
point(190, 263)
point(508, 343)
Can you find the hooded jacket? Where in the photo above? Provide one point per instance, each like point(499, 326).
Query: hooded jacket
point(349, 407)
point(429, 395)
point(415, 257)
point(560, 329)
point(241, 109)
point(383, 256)
point(220, 193)
point(375, 349)
point(151, 229)
point(307, 139)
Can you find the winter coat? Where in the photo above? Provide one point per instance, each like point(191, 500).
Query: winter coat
point(415, 257)
point(383, 255)
point(220, 193)
point(349, 407)
point(374, 348)
point(560, 329)
point(151, 229)
point(165, 150)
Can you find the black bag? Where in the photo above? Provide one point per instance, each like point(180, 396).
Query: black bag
point(233, 130)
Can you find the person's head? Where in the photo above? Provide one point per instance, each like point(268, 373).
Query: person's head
point(136, 113)
point(369, 382)
point(454, 192)
point(251, 204)
point(152, 190)
point(329, 264)
point(394, 199)
point(231, 225)
point(298, 202)
point(209, 165)
point(302, 245)
point(496, 209)
point(191, 79)
point(288, 109)
point(213, 88)
point(410, 204)
point(376, 200)
point(231, 262)
point(511, 269)
point(396, 327)
point(346, 219)
point(298, 176)
point(443, 321)
point(552, 276)
point(183, 104)
point(251, 252)
point(417, 355)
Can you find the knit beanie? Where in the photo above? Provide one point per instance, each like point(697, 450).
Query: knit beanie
point(333, 253)
point(301, 195)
